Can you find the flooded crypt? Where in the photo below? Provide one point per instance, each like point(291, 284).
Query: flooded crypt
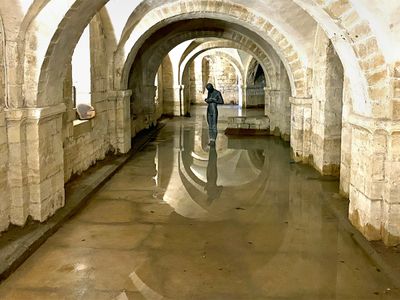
point(123, 175)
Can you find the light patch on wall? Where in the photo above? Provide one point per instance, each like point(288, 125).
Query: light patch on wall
point(119, 12)
point(81, 69)
point(175, 55)
point(25, 4)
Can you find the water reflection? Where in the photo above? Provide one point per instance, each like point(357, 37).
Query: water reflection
point(213, 190)
point(233, 222)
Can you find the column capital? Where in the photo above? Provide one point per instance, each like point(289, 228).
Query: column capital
point(36, 113)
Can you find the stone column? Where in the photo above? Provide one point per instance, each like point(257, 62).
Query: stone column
point(391, 203)
point(300, 135)
point(148, 94)
point(17, 178)
point(273, 110)
point(37, 169)
point(4, 169)
point(375, 179)
point(267, 102)
point(123, 121)
point(172, 102)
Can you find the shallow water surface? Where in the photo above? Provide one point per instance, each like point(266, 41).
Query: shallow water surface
point(182, 220)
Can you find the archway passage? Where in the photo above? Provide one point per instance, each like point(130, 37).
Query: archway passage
point(256, 84)
point(324, 72)
point(222, 68)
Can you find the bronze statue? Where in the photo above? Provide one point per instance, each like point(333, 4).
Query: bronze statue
point(213, 99)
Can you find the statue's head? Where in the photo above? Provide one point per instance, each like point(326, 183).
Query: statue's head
point(210, 87)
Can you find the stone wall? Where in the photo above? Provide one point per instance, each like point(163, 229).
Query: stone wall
point(221, 74)
point(197, 83)
point(327, 91)
point(86, 142)
point(278, 106)
point(346, 140)
point(4, 193)
point(255, 96)
point(41, 39)
point(257, 123)
point(255, 85)
point(170, 93)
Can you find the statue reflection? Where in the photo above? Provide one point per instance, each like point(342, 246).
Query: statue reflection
point(211, 187)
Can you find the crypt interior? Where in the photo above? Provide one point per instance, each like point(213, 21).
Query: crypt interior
point(312, 91)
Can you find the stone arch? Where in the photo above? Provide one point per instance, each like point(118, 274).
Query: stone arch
point(365, 64)
point(163, 41)
point(355, 43)
point(349, 48)
point(156, 48)
point(59, 30)
point(251, 70)
point(218, 52)
point(12, 15)
point(267, 63)
point(324, 14)
point(256, 93)
point(229, 12)
point(36, 35)
point(236, 64)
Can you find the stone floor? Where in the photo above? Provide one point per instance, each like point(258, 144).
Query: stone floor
point(183, 221)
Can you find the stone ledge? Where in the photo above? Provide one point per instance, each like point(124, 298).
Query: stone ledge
point(38, 113)
point(82, 127)
point(18, 243)
point(373, 125)
point(300, 101)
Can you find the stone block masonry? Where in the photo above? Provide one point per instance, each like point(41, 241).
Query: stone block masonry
point(254, 123)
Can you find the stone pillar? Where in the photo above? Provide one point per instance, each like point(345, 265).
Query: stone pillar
point(345, 160)
point(17, 178)
point(123, 121)
point(37, 169)
point(391, 203)
point(149, 95)
point(267, 102)
point(274, 111)
point(245, 95)
point(172, 102)
point(346, 140)
point(375, 179)
point(4, 169)
point(184, 103)
point(300, 135)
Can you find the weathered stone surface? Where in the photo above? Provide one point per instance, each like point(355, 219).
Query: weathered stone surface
point(133, 82)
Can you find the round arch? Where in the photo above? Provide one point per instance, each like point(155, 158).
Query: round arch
point(246, 20)
point(182, 32)
point(222, 54)
point(266, 63)
point(363, 89)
